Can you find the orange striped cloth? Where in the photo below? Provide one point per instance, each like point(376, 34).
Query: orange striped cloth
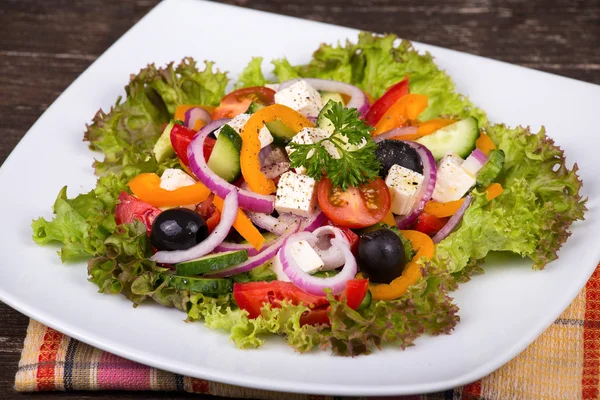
point(563, 363)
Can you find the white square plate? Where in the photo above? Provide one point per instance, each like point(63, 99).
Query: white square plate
point(501, 312)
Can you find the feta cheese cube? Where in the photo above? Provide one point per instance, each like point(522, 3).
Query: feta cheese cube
point(173, 179)
point(311, 136)
point(404, 185)
point(239, 121)
point(304, 255)
point(296, 194)
point(301, 97)
point(453, 182)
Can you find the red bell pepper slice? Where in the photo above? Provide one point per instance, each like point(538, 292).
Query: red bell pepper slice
point(379, 108)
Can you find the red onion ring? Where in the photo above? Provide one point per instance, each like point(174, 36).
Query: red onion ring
point(479, 156)
point(312, 284)
point(230, 207)
point(255, 261)
point(194, 114)
point(358, 98)
point(228, 246)
point(392, 133)
point(247, 200)
point(331, 256)
point(278, 226)
point(313, 222)
point(425, 191)
point(453, 221)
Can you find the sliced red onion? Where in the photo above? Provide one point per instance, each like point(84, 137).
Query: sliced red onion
point(230, 207)
point(275, 170)
point(331, 256)
point(453, 221)
point(194, 114)
point(474, 162)
point(256, 260)
point(264, 153)
point(358, 98)
point(312, 284)
point(228, 246)
point(247, 200)
point(278, 226)
point(392, 133)
point(426, 189)
point(313, 222)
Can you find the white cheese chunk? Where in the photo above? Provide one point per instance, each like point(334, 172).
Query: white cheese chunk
point(296, 194)
point(304, 255)
point(173, 179)
point(301, 97)
point(239, 121)
point(404, 185)
point(452, 182)
point(312, 136)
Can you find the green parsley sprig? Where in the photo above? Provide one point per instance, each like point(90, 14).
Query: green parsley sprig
point(351, 139)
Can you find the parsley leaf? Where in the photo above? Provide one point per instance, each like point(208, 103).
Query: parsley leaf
point(346, 157)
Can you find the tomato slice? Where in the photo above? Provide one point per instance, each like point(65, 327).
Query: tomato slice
point(210, 213)
point(429, 224)
point(350, 235)
point(357, 207)
point(379, 108)
point(236, 102)
point(181, 137)
point(131, 208)
point(319, 316)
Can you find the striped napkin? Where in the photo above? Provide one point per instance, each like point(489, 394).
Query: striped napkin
point(563, 363)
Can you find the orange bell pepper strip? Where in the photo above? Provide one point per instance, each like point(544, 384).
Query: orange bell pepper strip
point(405, 108)
point(181, 110)
point(426, 128)
point(424, 247)
point(389, 219)
point(146, 187)
point(244, 226)
point(249, 161)
point(485, 144)
point(442, 210)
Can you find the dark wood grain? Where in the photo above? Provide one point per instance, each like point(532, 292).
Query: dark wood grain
point(46, 44)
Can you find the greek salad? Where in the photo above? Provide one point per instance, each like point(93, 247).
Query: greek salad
point(337, 205)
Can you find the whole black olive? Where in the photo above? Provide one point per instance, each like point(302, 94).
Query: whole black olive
point(178, 229)
point(381, 255)
point(390, 152)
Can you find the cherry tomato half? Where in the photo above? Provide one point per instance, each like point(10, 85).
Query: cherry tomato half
point(237, 102)
point(131, 208)
point(357, 207)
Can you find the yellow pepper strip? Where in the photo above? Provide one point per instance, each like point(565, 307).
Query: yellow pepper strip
point(442, 210)
point(405, 108)
point(244, 226)
point(424, 247)
point(485, 144)
point(249, 161)
point(389, 219)
point(198, 124)
point(146, 187)
point(181, 110)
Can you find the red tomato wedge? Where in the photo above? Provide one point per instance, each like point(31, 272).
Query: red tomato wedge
point(357, 207)
point(252, 296)
point(236, 102)
point(131, 208)
point(181, 137)
point(379, 108)
point(209, 212)
point(429, 224)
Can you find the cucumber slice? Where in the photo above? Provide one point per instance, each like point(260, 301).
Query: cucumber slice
point(163, 148)
point(253, 107)
point(225, 157)
point(282, 134)
point(366, 301)
point(262, 273)
point(209, 286)
point(491, 169)
point(211, 263)
point(457, 138)
point(322, 121)
point(326, 96)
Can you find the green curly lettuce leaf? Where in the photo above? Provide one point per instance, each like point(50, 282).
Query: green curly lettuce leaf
point(83, 223)
point(252, 75)
point(128, 132)
point(375, 63)
point(532, 217)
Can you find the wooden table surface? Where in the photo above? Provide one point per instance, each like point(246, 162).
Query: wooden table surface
point(46, 44)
